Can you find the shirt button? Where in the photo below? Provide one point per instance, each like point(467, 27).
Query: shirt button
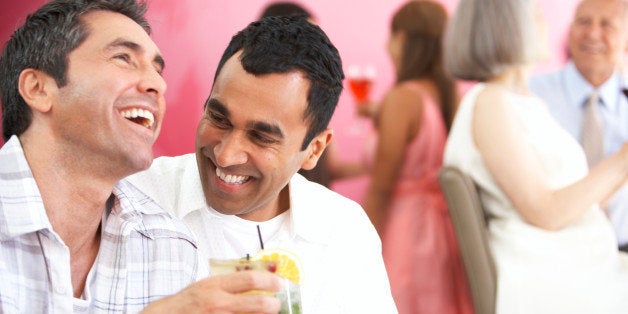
point(59, 289)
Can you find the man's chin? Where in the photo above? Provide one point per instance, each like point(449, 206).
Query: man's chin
point(144, 162)
point(216, 206)
point(136, 163)
point(224, 211)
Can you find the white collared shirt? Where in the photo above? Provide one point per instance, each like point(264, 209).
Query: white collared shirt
point(332, 236)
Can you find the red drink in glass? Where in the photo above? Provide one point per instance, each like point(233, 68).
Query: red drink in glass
point(360, 87)
point(360, 81)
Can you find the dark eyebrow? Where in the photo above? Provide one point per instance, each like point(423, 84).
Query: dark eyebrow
point(216, 105)
point(267, 128)
point(121, 42)
point(159, 60)
point(264, 127)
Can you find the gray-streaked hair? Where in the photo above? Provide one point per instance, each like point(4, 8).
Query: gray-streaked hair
point(44, 42)
point(485, 37)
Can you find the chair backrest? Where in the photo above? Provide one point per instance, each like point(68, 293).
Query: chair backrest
point(470, 225)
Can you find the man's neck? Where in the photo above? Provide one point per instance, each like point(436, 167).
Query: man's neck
point(272, 209)
point(74, 199)
point(595, 78)
point(73, 195)
point(75, 209)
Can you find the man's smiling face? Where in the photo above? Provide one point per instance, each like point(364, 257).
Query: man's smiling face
point(113, 103)
point(249, 140)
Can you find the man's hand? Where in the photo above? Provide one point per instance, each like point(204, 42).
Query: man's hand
point(222, 294)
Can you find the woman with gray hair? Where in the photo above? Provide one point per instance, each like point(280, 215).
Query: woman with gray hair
point(554, 248)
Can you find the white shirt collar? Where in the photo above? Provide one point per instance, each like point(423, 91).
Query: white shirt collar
point(309, 213)
point(191, 183)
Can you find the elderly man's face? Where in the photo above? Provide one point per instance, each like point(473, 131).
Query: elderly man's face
point(597, 37)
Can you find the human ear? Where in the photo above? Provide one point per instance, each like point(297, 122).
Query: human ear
point(37, 89)
point(316, 148)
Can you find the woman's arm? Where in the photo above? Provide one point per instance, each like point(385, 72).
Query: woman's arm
point(398, 120)
point(499, 136)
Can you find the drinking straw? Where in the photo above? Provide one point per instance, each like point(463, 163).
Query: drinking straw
point(259, 234)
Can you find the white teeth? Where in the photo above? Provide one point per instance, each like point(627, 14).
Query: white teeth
point(147, 117)
point(230, 178)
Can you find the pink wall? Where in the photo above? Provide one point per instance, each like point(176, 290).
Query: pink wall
point(193, 33)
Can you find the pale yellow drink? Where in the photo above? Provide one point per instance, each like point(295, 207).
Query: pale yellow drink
point(280, 262)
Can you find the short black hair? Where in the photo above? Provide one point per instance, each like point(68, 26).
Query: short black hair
point(43, 43)
point(283, 44)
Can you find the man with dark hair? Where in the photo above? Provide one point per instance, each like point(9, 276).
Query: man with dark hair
point(83, 101)
point(274, 92)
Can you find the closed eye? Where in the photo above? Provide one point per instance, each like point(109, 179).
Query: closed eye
point(219, 120)
point(583, 21)
point(608, 24)
point(124, 57)
point(261, 138)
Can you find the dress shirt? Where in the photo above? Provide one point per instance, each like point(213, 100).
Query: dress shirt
point(566, 93)
point(145, 254)
point(332, 236)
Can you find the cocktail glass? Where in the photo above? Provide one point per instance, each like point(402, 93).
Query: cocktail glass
point(290, 296)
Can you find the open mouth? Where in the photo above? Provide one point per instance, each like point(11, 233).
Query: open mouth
point(140, 116)
point(230, 178)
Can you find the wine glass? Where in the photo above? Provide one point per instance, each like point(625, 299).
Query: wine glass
point(360, 79)
point(360, 82)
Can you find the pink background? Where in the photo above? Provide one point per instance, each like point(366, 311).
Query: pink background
point(193, 33)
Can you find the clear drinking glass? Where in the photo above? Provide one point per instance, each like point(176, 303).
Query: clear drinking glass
point(290, 297)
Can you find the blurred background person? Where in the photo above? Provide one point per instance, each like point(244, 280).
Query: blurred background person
point(287, 8)
point(404, 200)
point(554, 249)
point(597, 43)
point(330, 166)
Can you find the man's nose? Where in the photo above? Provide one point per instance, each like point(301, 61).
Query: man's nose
point(594, 30)
point(231, 150)
point(152, 82)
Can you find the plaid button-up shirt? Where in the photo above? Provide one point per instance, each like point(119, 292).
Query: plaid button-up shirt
point(144, 253)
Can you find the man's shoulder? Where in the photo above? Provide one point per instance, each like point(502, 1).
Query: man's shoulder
point(312, 193)
point(325, 215)
point(154, 244)
point(163, 171)
point(170, 181)
point(154, 221)
point(167, 166)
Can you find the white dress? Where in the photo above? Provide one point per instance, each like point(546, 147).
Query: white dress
point(574, 270)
